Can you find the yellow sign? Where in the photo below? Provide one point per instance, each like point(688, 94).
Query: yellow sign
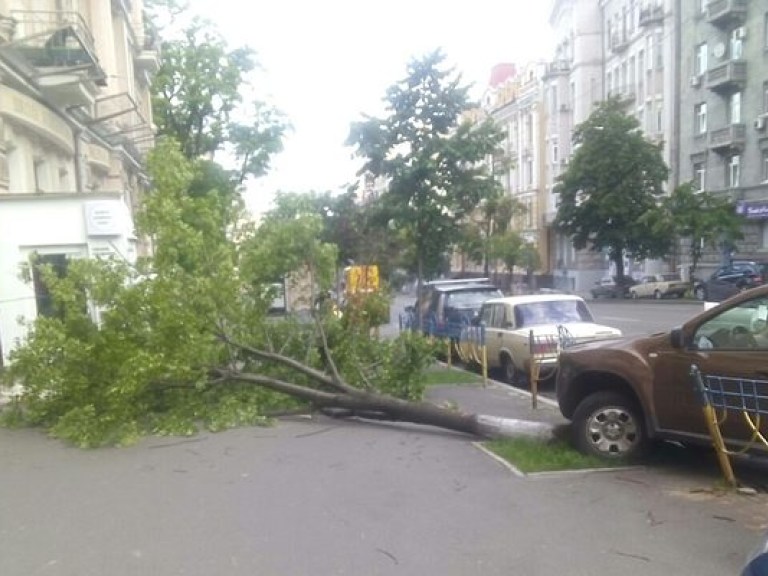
point(361, 279)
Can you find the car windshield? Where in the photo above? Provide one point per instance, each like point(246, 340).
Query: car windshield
point(469, 298)
point(551, 312)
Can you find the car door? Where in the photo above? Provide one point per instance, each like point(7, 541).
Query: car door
point(717, 345)
point(492, 316)
point(722, 284)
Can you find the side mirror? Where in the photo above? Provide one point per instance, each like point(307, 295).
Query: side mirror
point(676, 338)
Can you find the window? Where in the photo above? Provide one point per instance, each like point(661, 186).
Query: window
point(765, 31)
point(555, 150)
point(701, 59)
point(700, 118)
point(699, 176)
point(734, 108)
point(40, 170)
point(733, 173)
point(43, 299)
point(737, 45)
point(765, 97)
point(764, 164)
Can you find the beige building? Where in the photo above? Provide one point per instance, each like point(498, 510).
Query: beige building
point(75, 125)
point(513, 100)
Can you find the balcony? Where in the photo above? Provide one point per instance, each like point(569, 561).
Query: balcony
point(651, 15)
point(557, 68)
point(728, 76)
point(619, 42)
point(726, 140)
point(148, 57)
point(56, 50)
point(726, 13)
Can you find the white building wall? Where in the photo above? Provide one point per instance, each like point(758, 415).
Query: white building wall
point(68, 185)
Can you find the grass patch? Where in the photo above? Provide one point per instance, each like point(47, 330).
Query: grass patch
point(442, 375)
point(530, 455)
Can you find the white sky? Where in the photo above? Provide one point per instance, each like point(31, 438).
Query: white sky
point(328, 62)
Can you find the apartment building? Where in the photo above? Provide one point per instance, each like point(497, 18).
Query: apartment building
point(515, 102)
point(572, 84)
point(724, 112)
point(75, 125)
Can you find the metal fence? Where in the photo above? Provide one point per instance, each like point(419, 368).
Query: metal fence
point(721, 397)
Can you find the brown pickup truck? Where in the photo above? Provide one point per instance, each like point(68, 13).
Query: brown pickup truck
point(622, 393)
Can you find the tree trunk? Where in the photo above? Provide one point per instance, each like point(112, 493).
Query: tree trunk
point(336, 397)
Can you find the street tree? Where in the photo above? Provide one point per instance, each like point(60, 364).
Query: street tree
point(701, 220)
point(611, 191)
point(432, 159)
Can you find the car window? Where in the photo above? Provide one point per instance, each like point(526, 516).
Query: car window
point(743, 327)
point(468, 298)
point(551, 312)
point(486, 315)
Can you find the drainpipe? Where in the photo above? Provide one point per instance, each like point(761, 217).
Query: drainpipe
point(79, 162)
point(674, 152)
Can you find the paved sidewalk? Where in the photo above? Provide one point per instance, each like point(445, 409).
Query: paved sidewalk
point(324, 497)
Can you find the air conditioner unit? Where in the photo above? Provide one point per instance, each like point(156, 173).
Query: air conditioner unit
point(760, 123)
point(695, 81)
point(741, 32)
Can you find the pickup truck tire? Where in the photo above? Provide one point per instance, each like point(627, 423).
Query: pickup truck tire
point(608, 425)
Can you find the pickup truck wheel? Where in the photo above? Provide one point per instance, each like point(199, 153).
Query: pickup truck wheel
point(608, 425)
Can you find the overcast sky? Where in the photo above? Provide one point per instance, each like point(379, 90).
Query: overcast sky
point(326, 63)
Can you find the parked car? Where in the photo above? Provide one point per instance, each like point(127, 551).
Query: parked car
point(731, 279)
point(621, 393)
point(659, 286)
point(757, 563)
point(510, 322)
point(611, 287)
point(447, 305)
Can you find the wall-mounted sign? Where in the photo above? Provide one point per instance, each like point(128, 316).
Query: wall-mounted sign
point(753, 210)
point(104, 218)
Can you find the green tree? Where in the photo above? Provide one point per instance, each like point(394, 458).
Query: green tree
point(433, 161)
point(611, 192)
point(702, 219)
point(198, 101)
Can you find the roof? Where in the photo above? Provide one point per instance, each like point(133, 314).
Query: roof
point(532, 298)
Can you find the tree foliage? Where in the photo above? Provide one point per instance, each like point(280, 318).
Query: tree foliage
point(610, 194)
point(701, 218)
point(432, 160)
point(198, 101)
point(183, 340)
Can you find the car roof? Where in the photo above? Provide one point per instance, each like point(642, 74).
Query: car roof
point(461, 285)
point(533, 298)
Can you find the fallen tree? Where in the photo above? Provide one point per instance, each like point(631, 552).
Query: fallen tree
point(336, 398)
point(184, 340)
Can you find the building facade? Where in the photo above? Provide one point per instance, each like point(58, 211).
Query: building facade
point(75, 124)
point(573, 83)
point(724, 112)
